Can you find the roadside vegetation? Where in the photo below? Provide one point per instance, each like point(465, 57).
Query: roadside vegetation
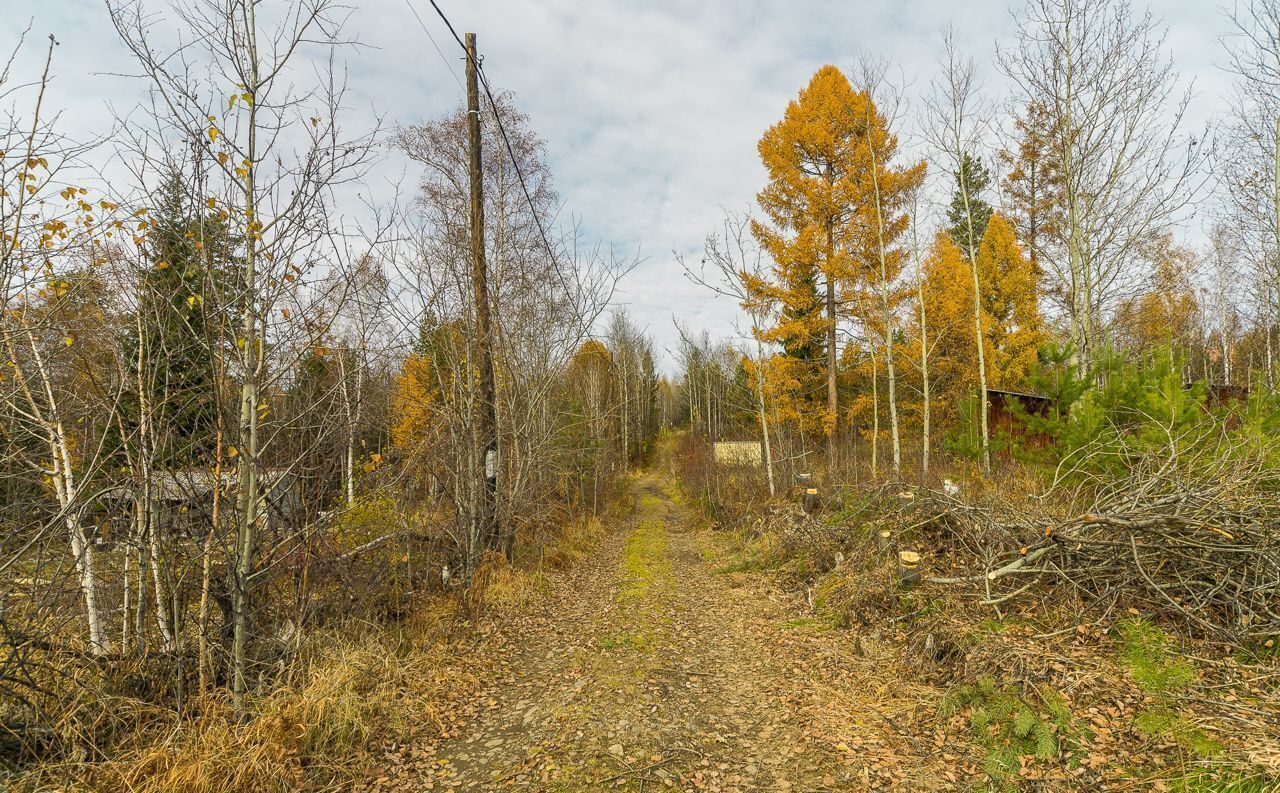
point(991, 410)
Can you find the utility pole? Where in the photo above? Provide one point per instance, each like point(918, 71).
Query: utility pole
point(486, 533)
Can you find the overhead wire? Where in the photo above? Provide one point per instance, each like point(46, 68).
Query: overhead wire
point(502, 130)
point(453, 72)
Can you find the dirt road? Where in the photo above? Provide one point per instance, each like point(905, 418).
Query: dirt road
point(650, 666)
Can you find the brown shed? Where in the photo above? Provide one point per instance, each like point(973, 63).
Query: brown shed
point(1000, 418)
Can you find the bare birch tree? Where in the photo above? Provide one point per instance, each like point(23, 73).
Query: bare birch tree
point(1117, 126)
point(546, 294)
point(228, 85)
point(889, 189)
point(48, 233)
point(956, 113)
point(1250, 166)
point(922, 321)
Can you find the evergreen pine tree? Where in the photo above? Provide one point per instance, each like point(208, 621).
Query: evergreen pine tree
point(975, 176)
point(178, 308)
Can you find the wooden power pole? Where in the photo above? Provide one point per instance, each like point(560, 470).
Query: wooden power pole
point(487, 533)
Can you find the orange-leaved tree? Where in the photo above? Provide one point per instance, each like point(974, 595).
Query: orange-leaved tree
point(811, 156)
point(791, 392)
point(1033, 183)
point(1011, 302)
point(1012, 326)
point(416, 394)
point(947, 292)
point(798, 328)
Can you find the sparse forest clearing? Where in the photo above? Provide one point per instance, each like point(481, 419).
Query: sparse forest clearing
point(338, 451)
point(673, 656)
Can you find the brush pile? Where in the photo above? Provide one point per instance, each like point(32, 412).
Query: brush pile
point(1197, 539)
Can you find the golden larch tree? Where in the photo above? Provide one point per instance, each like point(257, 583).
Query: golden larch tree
point(835, 205)
point(811, 156)
point(1012, 326)
point(1010, 297)
point(947, 292)
point(413, 404)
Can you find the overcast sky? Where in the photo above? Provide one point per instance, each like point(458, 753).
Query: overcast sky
point(650, 110)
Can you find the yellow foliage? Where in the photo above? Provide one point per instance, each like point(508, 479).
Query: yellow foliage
point(372, 515)
point(835, 205)
point(591, 357)
point(794, 390)
point(1012, 327)
point(415, 397)
point(1165, 313)
point(1010, 297)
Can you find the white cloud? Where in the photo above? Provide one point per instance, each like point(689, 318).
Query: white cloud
point(650, 110)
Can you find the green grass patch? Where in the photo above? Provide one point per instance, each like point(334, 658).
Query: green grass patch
point(991, 627)
point(627, 641)
point(648, 503)
point(1158, 671)
point(645, 566)
point(916, 606)
point(640, 627)
point(747, 565)
point(746, 554)
point(1162, 722)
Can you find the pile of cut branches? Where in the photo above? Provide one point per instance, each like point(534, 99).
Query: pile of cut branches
point(1194, 535)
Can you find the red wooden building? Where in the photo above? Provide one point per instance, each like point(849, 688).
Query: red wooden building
point(1001, 418)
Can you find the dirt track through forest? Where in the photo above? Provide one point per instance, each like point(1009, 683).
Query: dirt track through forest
point(650, 667)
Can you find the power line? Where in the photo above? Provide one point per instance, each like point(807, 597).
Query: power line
point(449, 25)
point(524, 186)
point(506, 141)
point(432, 39)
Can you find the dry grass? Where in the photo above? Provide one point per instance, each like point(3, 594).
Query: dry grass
point(350, 692)
point(506, 588)
point(573, 543)
point(351, 696)
point(500, 587)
